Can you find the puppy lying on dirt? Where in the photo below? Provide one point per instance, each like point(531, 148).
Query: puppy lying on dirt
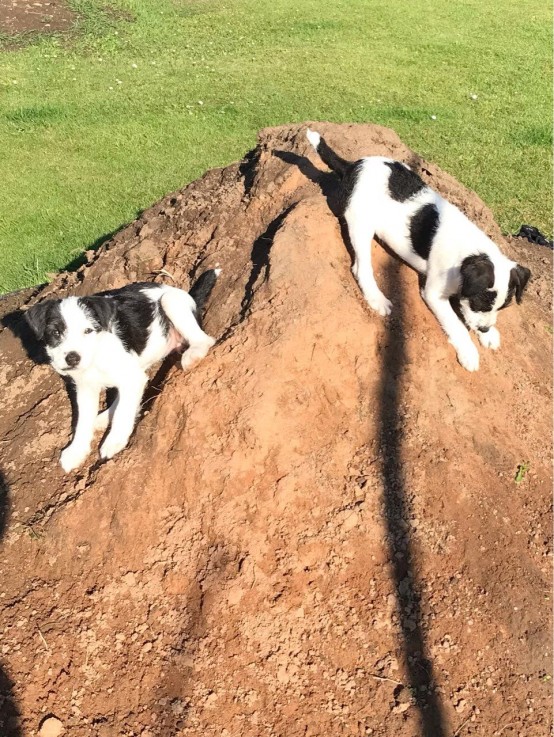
point(110, 340)
point(386, 198)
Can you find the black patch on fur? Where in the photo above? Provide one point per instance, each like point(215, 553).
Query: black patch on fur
point(483, 302)
point(403, 182)
point(477, 278)
point(349, 183)
point(424, 224)
point(47, 322)
point(129, 311)
point(101, 309)
point(519, 276)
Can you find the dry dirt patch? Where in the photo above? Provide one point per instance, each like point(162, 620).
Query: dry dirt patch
point(23, 16)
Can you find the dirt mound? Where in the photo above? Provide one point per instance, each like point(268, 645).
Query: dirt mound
point(318, 530)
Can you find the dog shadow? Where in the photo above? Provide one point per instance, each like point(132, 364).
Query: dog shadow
point(16, 323)
point(330, 188)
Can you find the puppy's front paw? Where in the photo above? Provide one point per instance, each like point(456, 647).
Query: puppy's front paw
point(490, 339)
point(73, 457)
point(196, 353)
point(468, 356)
point(111, 446)
point(378, 302)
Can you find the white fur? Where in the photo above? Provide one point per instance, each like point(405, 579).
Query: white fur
point(371, 211)
point(106, 363)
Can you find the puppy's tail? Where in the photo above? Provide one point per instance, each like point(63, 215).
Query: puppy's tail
point(202, 287)
point(340, 166)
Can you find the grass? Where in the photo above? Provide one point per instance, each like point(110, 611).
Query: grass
point(98, 125)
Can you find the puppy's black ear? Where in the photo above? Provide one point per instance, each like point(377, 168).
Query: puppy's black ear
point(477, 275)
point(101, 309)
point(519, 276)
point(37, 316)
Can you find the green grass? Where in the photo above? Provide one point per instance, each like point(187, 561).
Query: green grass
point(82, 152)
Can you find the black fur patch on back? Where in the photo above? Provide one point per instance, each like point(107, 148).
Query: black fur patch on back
point(349, 184)
point(133, 313)
point(403, 182)
point(424, 224)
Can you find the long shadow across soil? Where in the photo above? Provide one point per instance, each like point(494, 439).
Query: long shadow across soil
point(397, 509)
point(396, 500)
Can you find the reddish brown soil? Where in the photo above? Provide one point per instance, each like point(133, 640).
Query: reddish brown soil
point(25, 16)
point(315, 532)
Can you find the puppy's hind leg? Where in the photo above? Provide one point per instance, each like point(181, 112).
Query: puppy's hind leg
point(180, 309)
point(361, 231)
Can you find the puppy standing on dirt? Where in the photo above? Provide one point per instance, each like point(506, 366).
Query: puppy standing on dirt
point(386, 198)
point(110, 340)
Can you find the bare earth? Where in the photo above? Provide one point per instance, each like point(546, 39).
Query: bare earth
point(317, 531)
point(24, 16)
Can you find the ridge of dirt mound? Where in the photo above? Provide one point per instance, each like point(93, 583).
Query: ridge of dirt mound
point(317, 531)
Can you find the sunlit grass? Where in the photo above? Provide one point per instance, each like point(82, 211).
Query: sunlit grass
point(100, 125)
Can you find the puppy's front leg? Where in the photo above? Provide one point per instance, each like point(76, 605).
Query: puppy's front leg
point(125, 414)
point(458, 335)
point(88, 399)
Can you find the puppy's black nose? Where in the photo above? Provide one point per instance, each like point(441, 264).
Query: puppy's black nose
point(72, 359)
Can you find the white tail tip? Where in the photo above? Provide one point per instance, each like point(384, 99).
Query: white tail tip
point(313, 137)
point(217, 271)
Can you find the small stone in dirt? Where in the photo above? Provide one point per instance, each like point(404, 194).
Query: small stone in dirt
point(51, 727)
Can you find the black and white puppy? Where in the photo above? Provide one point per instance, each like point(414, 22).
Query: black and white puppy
point(386, 198)
point(111, 339)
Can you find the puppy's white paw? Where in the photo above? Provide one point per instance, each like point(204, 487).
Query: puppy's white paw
point(196, 353)
point(73, 457)
point(112, 445)
point(378, 302)
point(490, 339)
point(468, 356)
point(102, 420)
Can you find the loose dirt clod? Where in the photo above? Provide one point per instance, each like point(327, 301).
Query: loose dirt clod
point(315, 531)
point(51, 727)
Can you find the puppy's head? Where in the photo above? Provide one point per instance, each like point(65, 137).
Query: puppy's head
point(487, 287)
point(70, 328)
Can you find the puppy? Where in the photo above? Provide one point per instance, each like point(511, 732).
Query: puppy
point(385, 198)
point(111, 339)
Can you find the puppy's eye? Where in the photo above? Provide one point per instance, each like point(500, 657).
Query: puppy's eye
point(88, 330)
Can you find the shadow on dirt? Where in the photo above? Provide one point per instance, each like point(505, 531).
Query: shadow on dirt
point(396, 502)
point(10, 723)
point(216, 564)
point(397, 509)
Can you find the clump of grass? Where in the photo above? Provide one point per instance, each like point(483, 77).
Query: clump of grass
point(521, 471)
